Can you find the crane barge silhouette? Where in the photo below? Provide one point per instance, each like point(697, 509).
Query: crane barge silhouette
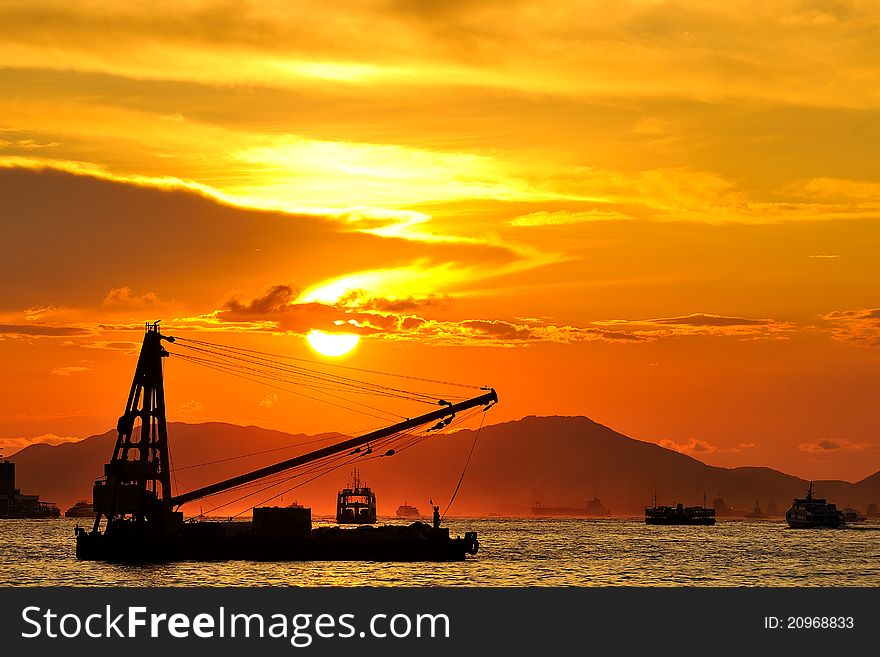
point(142, 517)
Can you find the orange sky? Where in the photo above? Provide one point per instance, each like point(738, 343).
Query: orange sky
point(665, 216)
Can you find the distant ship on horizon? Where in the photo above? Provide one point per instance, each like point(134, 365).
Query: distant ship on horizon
point(82, 509)
point(679, 514)
point(593, 508)
point(407, 511)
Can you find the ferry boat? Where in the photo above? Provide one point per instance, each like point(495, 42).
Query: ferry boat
point(82, 509)
point(407, 511)
point(679, 515)
point(594, 507)
point(813, 512)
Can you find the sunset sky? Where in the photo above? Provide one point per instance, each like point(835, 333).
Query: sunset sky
point(662, 215)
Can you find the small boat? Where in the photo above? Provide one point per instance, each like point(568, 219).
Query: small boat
point(813, 512)
point(82, 509)
point(679, 515)
point(407, 511)
point(356, 505)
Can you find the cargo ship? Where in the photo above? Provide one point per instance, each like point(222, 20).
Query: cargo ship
point(679, 515)
point(82, 509)
point(14, 504)
point(593, 508)
point(138, 517)
point(407, 511)
point(813, 513)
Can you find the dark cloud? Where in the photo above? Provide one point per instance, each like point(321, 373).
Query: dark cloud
point(498, 329)
point(67, 238)
point(363, 300)
point(277, 309)
point(42, 330)
point(828, 445)
point(276, 299)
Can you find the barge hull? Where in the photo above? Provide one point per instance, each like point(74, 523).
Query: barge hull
point(209, 541)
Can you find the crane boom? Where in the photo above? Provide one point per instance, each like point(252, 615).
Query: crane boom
point(486, 399)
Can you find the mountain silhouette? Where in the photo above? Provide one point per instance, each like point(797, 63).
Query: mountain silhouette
point(557, 460)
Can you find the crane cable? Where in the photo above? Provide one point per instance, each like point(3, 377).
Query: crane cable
point(346, 367)
point(466, 463)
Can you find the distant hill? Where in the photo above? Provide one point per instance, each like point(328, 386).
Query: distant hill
point(557, 460)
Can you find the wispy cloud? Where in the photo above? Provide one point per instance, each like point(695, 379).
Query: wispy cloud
point(827, 445)
point(12, 445)
point(704, 324)
point(564, 217)
point(698, 447)
point(41, 330)
point(72, 369)
point(283, 309)
point(860, 328)
point(125, 297)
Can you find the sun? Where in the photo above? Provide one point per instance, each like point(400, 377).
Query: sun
point(332, 344)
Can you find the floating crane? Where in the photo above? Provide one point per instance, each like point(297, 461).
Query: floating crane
point(143, 520)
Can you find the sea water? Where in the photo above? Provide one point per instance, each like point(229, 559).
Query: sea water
point(513, 552)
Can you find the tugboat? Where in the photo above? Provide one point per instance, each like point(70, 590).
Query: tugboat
point(407, 511)
point(13, 504)
point(593, 508)
point(138, 517)
point(813, 512)
point(82, 509)
point(679, 515)
point(356, 505)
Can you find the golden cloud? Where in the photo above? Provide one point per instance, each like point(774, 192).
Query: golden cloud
point(860, 328)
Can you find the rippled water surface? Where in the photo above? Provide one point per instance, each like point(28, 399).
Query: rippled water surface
point(513, 552)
